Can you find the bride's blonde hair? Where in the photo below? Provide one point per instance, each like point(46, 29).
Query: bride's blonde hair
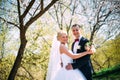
point(59, 33)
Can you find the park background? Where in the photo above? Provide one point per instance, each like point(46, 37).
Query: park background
point(27, 28)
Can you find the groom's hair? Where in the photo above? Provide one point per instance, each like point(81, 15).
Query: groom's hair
point(76, 25)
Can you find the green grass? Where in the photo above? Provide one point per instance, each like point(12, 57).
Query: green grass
point(112, 73)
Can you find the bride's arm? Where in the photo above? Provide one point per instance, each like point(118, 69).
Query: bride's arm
point(64, 50)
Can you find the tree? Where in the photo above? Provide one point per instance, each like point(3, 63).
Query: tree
point(107, 55)
point(97, 17)
point(60, 9)
point(23, 9)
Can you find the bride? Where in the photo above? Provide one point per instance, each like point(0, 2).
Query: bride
point(60, 56)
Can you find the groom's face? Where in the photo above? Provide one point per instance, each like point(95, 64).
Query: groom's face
point(76, 31)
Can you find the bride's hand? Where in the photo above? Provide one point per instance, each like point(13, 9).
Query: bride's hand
point(61, 64)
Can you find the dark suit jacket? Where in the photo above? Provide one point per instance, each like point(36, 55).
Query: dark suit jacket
point(83, 63)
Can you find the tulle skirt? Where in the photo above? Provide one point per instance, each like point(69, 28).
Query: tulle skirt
point(64, 74)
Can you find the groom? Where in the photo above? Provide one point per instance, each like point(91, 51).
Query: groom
point(83, 64)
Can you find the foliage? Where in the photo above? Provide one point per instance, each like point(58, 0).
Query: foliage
point(35, 60)
point(5, 66)
point(33, 67)
point(95, 15)
point(111, 73)
point(108, 55)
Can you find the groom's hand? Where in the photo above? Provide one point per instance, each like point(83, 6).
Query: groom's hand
point(69, 66)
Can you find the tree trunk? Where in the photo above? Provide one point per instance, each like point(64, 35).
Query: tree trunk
point(92, 35)
point(23, 29)
point(19, 56)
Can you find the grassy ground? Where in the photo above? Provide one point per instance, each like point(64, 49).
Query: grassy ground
point(108, 74)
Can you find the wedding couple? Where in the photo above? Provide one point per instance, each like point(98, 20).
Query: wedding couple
point(61, 66)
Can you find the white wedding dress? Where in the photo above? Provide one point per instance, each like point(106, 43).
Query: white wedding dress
point(64, 74)
point(55, 71)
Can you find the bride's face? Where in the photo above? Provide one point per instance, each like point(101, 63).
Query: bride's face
point(63, 38)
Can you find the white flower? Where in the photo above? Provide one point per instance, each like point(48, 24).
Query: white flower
point(78, 46)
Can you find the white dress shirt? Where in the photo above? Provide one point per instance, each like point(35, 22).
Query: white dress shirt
point(75, 45)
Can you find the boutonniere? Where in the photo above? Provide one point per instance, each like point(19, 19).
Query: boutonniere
point(78, 47)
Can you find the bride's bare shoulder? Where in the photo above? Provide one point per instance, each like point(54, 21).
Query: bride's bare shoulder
point(62, 48)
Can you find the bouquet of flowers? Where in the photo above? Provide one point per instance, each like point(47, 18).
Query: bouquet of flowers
point(89, 46)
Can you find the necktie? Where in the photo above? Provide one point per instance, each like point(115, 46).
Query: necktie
point(76, 40)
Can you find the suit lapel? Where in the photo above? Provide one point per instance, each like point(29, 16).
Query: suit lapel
point(73, 46)
point(80, 42)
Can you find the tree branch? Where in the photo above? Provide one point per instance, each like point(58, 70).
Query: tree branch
point(98, 13)
point(16, 6)
point(84, 7)
point(96, 25)
point(9, 22)
point(61, 15)
point(52, 15)
point(27, 9)
point(97, 63)
point(36, 9)
point(66, 6)
point(56, 10)
point(107, 15)
point(32, 19)
point(73, 12)
point(19, 12)
point(42, 5)
point(28, 72)
point(46, 41)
